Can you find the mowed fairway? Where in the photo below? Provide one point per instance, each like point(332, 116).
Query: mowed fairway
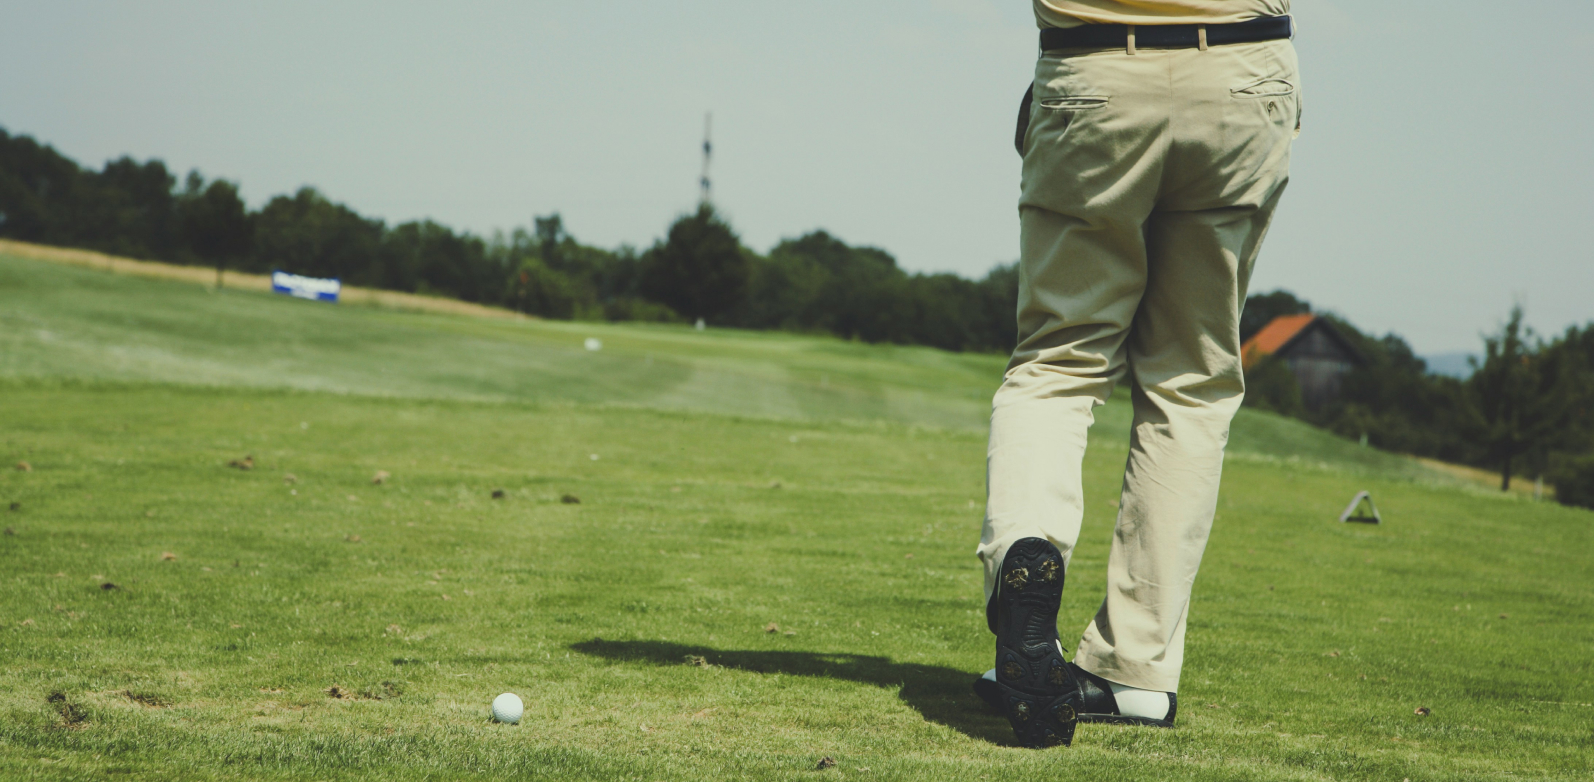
point(727, 483)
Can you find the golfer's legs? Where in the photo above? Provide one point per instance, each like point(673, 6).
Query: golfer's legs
point(1149, 182)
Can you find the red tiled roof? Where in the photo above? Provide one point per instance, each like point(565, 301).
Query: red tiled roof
point(1273, 336)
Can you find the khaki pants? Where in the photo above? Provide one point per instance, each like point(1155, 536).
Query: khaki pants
point(1149, 181)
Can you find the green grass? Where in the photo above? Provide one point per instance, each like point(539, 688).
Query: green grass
point(1310, 642)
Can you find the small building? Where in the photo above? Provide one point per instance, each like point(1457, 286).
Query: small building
point(1316, 353)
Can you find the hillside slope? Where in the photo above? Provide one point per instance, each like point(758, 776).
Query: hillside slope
point(66, 322)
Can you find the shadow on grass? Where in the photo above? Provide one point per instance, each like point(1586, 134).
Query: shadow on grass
point(942, 695)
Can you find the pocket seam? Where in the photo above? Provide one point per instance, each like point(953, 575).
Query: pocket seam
point(1075, 102)
point(1241, 92)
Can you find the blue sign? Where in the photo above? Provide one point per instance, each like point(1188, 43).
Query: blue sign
point(305, 287)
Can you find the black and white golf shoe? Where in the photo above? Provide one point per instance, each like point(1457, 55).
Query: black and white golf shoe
point(1035, 686)
point(1097, 701)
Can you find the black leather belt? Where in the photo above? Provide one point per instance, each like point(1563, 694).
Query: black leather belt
point(1166, 36)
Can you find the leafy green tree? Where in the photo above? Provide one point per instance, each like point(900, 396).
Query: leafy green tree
point(39, 193)
point(215, 222)
point(699, 270)
point(135, 211)
point(1393, 400)
point(998, 321)
point(550, 232)
point(1521, 397)
point(1574, 481)
point(440, 261)
point(308, 234)
point(536, 289)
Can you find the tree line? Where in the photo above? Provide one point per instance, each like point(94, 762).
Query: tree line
point(699, 270)
point(1525, 410)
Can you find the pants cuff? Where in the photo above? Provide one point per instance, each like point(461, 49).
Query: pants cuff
point(1141, 675)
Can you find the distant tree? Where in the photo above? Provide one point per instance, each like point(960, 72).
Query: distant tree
point(1260, 309)
point(1393, 400)
point(306, 233)
point(852, 292)
point(443, 262)
point(135, 210)
point(999, 306)
point(536, 289)
point(215, 223)
point(699, 270)
point(39, 193)
point(550, 231)
point(1521, 397)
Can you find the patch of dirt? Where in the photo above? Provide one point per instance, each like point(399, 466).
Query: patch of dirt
point(570, 499)
point(146, 700)
point(382, 692)
point(108, 586)
point(375, 693)
point(246, 463)
point(167, 556)
point(72, 715)
point(826, 762)
point(24, 467)
point(498, 494)
point(380, 477)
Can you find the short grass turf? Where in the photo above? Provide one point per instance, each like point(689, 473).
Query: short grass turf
point(311, 624)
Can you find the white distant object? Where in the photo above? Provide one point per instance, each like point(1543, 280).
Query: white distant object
point(700, 325)
point(301, 287)
point(593, 457)
point(507, 708)
point(1353, 512)
point(593, 343)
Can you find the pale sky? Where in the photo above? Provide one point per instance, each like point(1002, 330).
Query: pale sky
point(1446, 169)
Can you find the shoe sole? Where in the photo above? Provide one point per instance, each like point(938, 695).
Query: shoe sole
point(1036, 688)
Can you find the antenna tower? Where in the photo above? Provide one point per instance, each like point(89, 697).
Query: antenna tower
point(708, 152)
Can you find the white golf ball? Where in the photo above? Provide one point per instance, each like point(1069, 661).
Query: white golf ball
point(508, 708)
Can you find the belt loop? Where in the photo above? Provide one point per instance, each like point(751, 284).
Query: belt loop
point(1201, 35)
point(1131, 48)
